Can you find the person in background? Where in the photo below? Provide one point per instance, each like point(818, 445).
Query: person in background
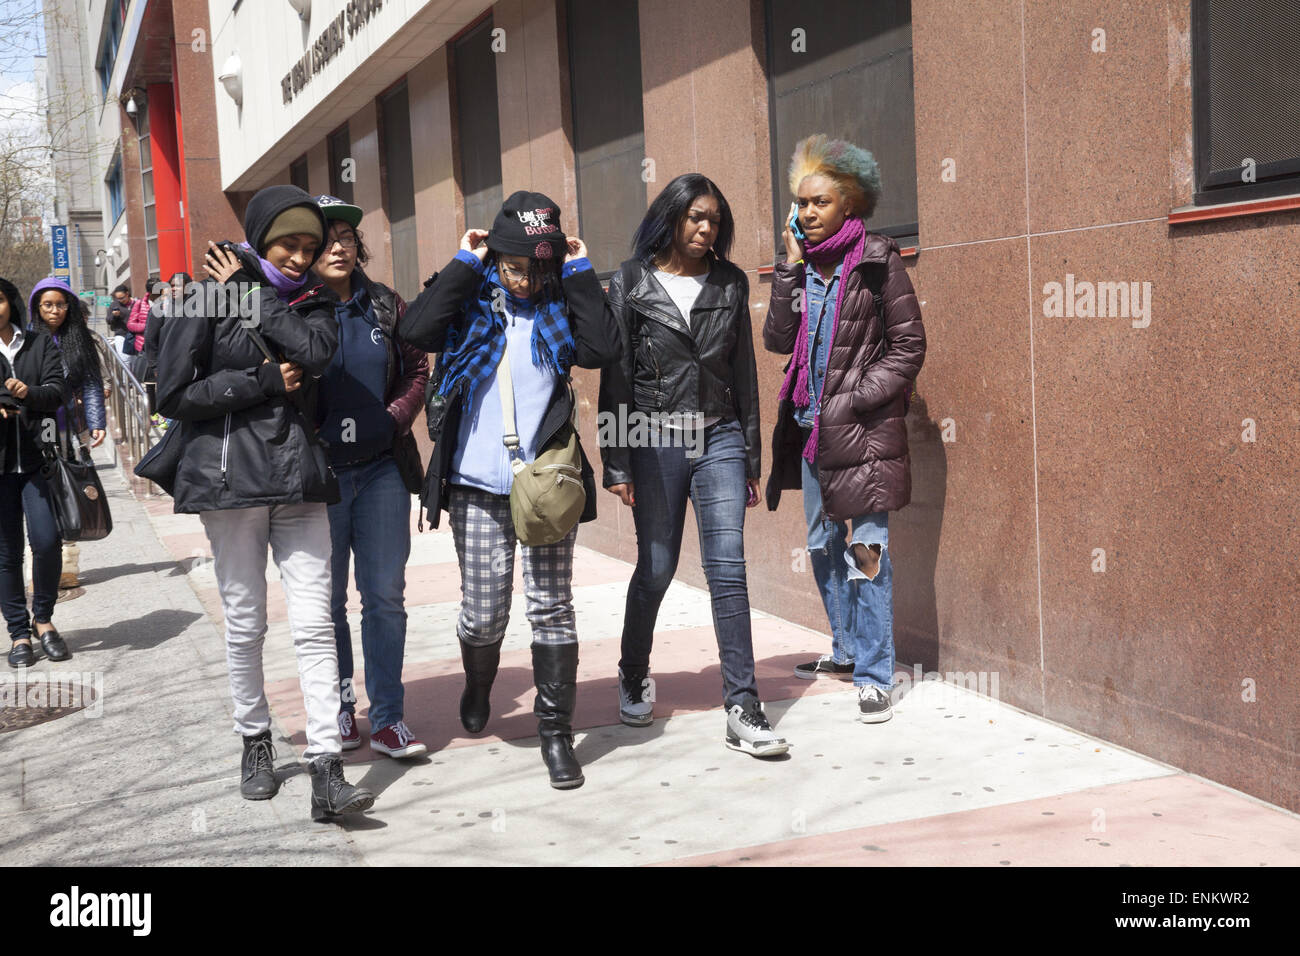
point(138, 320)
point(252, 473)
point(527, 284)
point(682, 308)
point(841, 433)
point(369, 396)
point(171, 303)
point(82, 419)
point(119, 311)
point(31, 392)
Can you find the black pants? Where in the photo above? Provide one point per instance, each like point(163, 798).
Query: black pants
point(28, 494)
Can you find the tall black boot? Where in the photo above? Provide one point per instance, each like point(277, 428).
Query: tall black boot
point(480, 662)
point(331, 795)
point(257, 769)
point(555, 672)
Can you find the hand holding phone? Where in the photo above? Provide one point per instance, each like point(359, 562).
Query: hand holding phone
point(793, 222)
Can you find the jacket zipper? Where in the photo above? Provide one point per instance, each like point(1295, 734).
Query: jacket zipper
point(225, 447)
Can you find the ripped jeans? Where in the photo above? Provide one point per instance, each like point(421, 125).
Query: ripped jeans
point(860, 610)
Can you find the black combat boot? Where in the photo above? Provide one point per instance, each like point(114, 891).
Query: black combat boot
point(555, 672)
point(480, 662)
point(258, 781)
point(331, 795)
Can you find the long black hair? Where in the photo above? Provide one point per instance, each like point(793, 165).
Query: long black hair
point(16, 310)
point(76, 341)
point(659, 227)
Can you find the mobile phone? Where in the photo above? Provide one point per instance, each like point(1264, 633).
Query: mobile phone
point(793, 222)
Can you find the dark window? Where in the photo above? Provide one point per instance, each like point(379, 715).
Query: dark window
point(476, 118)
point(342, 166)
point(1245, 99)
point(298, 173)
point(399, 178)
point(848, 75)
point(608, 132)
point(116, 191)
point(112, 37)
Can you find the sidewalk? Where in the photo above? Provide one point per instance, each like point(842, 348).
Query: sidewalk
point(953, 779)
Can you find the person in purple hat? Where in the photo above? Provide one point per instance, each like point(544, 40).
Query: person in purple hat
point(526, 284)
point(31, 391)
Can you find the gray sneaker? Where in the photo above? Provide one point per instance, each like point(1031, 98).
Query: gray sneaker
point(873, 705)
point(636, 700)
point(749, 732)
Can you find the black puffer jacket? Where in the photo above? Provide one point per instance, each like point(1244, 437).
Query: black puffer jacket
point(668, 366)
point(246, 443)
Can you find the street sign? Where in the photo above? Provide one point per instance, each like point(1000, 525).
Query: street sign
point(104, 301)
point(59, 251)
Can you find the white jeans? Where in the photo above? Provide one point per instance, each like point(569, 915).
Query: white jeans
point(299, 537)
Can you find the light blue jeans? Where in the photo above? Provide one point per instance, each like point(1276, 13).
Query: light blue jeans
point(861, 612)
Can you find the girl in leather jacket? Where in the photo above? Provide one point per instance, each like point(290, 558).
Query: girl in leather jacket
point(683, 404)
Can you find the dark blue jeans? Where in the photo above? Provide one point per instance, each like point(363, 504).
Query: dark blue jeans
point(663, 478)
point(373, 521)
point(28, 494)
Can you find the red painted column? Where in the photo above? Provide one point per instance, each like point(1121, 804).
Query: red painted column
point(166, 180)
point(180, 153)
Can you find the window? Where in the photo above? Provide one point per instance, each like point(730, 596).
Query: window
point(116, 193)
point(399, 177)
point(608, 132)
point(339, 147)
point(109, 44)
point(1245, 99)
point(476, 117)
point(146, 191)
point(844, 68)
point(298, 173)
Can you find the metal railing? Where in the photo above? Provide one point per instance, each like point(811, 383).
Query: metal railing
point(129, 404)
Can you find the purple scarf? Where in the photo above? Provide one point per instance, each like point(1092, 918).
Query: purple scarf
point(849, 242)
point(285, 287)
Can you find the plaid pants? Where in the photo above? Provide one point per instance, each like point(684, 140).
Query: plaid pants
point(485, 548)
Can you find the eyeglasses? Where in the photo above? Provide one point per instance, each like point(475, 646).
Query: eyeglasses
point(54, 307)
point(510, 272)
point(347, 242)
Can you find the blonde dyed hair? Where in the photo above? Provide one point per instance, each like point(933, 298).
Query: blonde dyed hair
point(853, 170)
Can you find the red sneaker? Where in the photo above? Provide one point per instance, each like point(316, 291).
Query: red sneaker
point(396, 740)
point(348, 731)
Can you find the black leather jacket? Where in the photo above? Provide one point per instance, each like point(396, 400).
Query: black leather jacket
point(668, 366)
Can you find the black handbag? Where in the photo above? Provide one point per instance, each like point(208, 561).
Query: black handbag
point(163, 460)
point(80, 507)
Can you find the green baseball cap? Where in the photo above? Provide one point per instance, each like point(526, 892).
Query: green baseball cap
point(335, 208)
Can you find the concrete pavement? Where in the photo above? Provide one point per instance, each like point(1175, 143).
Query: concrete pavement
point(955, 778)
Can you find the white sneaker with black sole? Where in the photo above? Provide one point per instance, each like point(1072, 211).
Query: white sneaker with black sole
point(636, 700)
point(749, 732)
point(873, 705)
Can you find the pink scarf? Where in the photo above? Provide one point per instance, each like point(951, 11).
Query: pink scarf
point(850, 242)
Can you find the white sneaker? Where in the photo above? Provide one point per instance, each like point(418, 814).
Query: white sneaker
point(636, 700)
point(749, 732)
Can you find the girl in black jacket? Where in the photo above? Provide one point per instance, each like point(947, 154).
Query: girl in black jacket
point(508, 287)
point(33, 390)
point(683, 404)
point(252, 471)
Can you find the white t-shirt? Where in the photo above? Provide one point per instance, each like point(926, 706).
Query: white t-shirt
point(14, 345)
point(684, 290)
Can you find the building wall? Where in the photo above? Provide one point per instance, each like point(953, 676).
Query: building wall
point(1039, 445)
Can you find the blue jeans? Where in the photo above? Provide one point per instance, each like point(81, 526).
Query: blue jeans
point(663, 479)
point(28, 494)
point(373, 521)
point(861, 612)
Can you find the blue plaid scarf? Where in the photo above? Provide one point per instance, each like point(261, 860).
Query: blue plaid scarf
point(474, 345)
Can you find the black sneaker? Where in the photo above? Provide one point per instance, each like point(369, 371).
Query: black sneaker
point(823, 667)
point(873, 705)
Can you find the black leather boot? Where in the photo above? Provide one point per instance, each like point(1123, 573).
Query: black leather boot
point(480, 662)
point(331, 795)
point(555, 672)
point(257, 781)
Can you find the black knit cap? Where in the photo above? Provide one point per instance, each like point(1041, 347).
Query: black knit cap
point(269, 203)
point(528, 225)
